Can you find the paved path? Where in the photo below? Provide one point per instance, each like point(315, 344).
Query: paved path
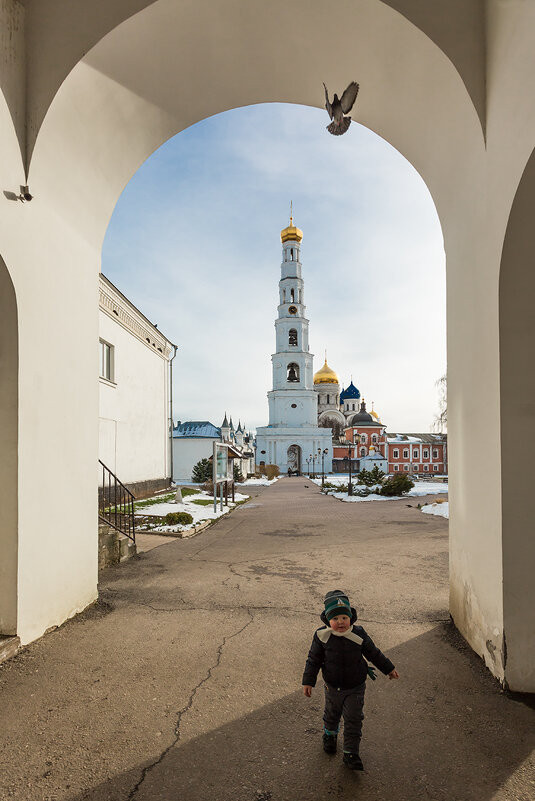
point(184, 682)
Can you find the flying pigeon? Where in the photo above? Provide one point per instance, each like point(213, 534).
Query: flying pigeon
point(339, 107)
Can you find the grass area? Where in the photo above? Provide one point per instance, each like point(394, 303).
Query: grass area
point(169, 496)
point(203, 501)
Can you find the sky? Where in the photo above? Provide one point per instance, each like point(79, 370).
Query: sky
point(194, 243)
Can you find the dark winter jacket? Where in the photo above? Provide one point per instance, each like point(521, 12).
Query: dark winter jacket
point(343, 659)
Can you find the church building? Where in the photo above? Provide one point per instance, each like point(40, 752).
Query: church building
point(292, 435)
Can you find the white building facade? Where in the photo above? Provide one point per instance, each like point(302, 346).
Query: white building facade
point(292, 435)
point(134, 394)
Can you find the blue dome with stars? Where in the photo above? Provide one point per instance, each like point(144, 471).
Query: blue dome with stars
point(351, 393)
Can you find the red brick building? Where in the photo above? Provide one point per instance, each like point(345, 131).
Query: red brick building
point(368, 441)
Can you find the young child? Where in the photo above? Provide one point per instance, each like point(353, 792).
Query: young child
point(339, 648)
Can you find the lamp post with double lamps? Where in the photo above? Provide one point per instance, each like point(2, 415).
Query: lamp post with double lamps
point(313, 457)
point(349, 484)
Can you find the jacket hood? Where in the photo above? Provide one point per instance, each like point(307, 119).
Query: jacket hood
point(353, 618)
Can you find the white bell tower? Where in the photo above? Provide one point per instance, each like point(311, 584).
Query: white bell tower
point(292, 435)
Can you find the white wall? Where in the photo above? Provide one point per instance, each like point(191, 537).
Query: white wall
point(133, 410)
point(187, 451)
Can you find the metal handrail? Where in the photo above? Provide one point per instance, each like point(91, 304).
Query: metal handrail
point(116, 503)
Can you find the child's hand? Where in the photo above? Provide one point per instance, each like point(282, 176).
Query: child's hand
point(307, 690)
point(393, 674)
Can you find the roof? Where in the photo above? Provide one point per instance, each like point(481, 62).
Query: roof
point(428, 439)
point(196, 428)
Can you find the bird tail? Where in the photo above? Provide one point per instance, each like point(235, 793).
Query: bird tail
point(338, 130)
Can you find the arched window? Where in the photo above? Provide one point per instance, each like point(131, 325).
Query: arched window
point(292, 336)
point(363, 437)
point(292, 375)
point(363, 451)
point(353, 407)
point(292, 295)
point(284, 296)
point(291, 254)
point(374, 439)
point(328, 396)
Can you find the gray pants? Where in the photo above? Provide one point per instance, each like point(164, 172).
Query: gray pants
point(349, 704)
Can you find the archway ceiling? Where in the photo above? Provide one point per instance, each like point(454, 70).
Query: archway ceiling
point(60, 32)
point(172, 65)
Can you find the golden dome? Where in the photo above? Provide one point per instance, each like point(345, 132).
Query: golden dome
point(326, 375)
point(291, 233)
point(375, 415)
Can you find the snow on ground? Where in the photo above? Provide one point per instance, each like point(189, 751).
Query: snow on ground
point(440, 509)
point(199, 513)
point(258, 482)
point(420, 489)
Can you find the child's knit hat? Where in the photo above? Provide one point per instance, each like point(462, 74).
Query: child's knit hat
point(337, 603)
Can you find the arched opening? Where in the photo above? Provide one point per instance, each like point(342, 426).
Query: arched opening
point(9, 458)
point(292, 336)
point(294, 459)
point(128, 110)
point(517, 395)
point(292, 373)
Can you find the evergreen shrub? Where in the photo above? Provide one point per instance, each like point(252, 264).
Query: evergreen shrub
point(202, 471)
point(178, 518)
point(396, 485)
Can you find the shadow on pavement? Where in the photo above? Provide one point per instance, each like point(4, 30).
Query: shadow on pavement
point(445, 730)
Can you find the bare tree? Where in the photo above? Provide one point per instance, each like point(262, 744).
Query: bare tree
point(440, 423)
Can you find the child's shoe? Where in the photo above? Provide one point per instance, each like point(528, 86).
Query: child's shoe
point(353, 761)
point(329, 743)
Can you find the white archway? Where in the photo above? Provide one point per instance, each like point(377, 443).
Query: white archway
point(171, 64)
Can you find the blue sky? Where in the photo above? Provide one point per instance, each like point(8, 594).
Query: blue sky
point(194, 242)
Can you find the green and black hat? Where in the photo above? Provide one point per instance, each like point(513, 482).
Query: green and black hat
point(337, 603)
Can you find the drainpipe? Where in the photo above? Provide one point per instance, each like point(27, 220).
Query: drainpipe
point(171, 410)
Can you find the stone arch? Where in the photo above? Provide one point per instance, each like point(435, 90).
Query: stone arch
point(9, 462)
point(517, 410)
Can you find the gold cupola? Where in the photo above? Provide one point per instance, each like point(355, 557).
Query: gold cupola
point(325, 375)
point(291, 233)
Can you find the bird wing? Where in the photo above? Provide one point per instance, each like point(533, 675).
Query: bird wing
point(327, 104)
point(349, 97)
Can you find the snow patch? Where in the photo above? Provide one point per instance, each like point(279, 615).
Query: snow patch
point(440, 509)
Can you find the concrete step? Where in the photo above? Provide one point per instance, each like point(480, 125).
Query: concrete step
point(8, 647)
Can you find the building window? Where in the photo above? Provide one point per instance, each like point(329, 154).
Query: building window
point(405, 453)
point(292, 376)
point(426, 468)
point(291, 254)
point(415, 468)
point(374, 439)
point(415, 454)
point(292, 295)
point(435, 454)
point(426, 454)
point(363, 437)
point(106, 360)
point(435, 468)
point(292, 336)
point(396, 453)
point(284, 296)
point(406, 467)
point(353, 407)
point(363, 451)
point(396, 467)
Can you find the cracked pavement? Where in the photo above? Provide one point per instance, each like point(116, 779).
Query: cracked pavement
point(183, 682)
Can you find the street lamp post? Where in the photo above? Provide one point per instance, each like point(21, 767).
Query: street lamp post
point(308, 466)
point(323, 453)
point(349, 485)
point(313, 457)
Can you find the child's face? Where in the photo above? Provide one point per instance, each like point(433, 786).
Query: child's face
point(340, 623)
